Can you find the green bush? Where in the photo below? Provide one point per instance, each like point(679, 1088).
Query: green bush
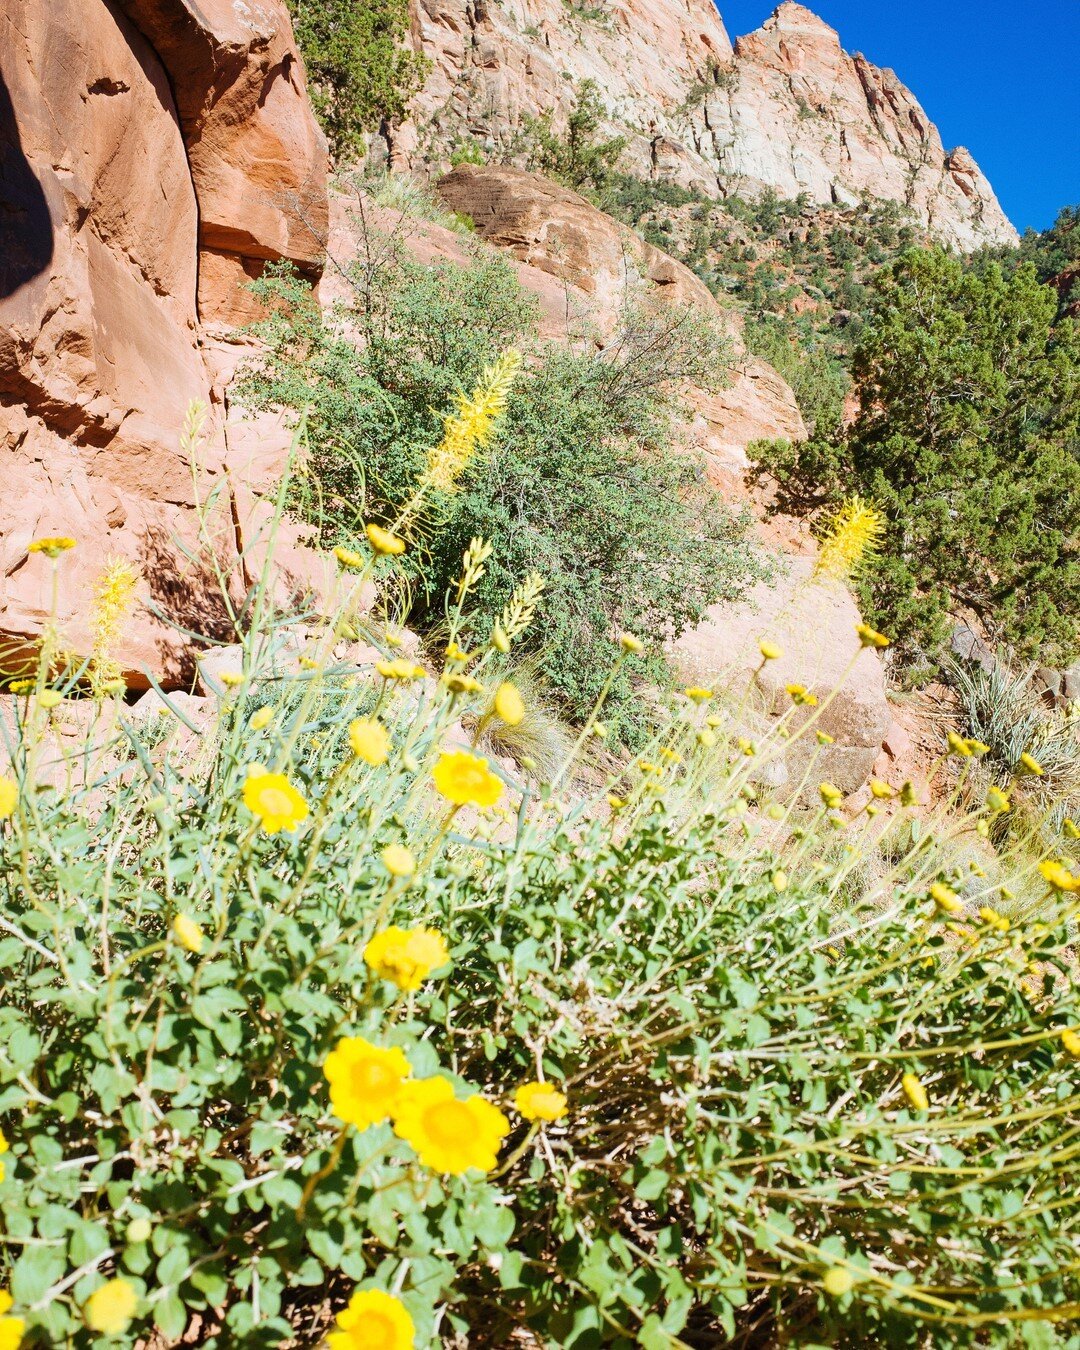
point(584, 482)
point(966, 438)
point(784, 1117)
point(361, 74)
point(579, 157)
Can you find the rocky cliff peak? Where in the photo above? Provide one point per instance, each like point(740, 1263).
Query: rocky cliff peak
point(785, 108)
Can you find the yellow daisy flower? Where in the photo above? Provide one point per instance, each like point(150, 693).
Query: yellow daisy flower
point(997, 801)
point(1071, 1042)
point(9, 797)
point(11, 1328)
point(881, 790)
point(831, 795)
point(869, 638)
point(770, 651)
point(3, 1149)
point(449, 1135)
point(373, 1321)
point(915, 1092)
point(631, 644)
point(464, 778)
point(398, 861)
point(399, 669)
point(801, 696)
point(365, 1080)
point(370, 740)
point(271, 797)
point(51, 545)
point(509, 705)
point(540, 1101)
point(406, 956)
point(697, 694)
point(946, 898)
point(1029, 764)
point(382, 541)
point(261, 718)
point(110, 1308)
point(188, 933)
point(1058, 876)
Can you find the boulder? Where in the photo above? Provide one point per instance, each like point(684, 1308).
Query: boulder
point(814, 623)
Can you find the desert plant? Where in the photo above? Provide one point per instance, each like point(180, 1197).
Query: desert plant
point(580, 156)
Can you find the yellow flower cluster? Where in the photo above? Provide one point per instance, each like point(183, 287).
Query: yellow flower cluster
point(406, 956)
point(853, 537)
point(1059, 876)
point(472, 425)
point(801, 696)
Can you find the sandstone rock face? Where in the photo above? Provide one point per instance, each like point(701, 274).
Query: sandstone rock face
point(100, 347)
point(599, 264)
point(814, 623)
point(784, 108)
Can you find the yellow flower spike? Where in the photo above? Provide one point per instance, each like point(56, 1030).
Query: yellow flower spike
point(52, 545)
point(49, 698)
point(780, 880)
point(373, 1320)
point(706, 738)
point(188, 933)
point(261, 718)
point(110, 1308)
point(364, 1080)
point(449, 1135)
point(398, 861)
point(274, 801)
point(12, 1329)
point(509, 705)
point(1071, 1042)
point(997, 801)
point(853, 537)
point(348, 559)
point(831, 795)
point(697, 694)
point(631, 644)
point(1059, 876)
point(370, 740)
point(800, 696)
point(383, 542)
point(540, 1101)
point(1030, 765)
point(838, 1281)
point(915, 1092)
point(465, 779)
point(472, 426)
point(958, 745)
point(406, 956)
point(770, 651)
point(881, 790)
point(869, 638)
point(946, 898)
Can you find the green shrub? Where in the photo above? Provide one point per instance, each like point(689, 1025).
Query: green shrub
point(361, 74)
point(969, 399)
point(745, 1149)
point(579, 157)
point(584, 482)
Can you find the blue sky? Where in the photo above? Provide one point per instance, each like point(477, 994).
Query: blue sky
point(1001, 78)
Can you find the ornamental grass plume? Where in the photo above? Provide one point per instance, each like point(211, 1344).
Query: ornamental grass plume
point(851, 541)
point(472, 426)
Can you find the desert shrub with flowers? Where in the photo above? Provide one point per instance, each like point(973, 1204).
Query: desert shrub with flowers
point(327, 1028)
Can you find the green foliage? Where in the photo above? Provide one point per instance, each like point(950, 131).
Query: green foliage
point(579, 157)
point(1051, 251)
point(817, 378)
point(361, 74)
point(966, 437)
point(731, 1040)
point(584, 483)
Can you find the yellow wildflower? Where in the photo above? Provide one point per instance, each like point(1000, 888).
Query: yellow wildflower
point(113, 596)
point(406, 956)
point(838, 1281)
point(499, 639)
point(465, 779)
point(823, 738)
point(271, 797)
point(3, 1150)
point(958, 745)
point(852, 540)
point(460, 683)
point(449, 1135)
point(365, 1080)
point(706, 737)
point(946, 898)
point(399, 669)
point(770, 651)
point(881, 790)
point(997, 801)
point(1029, 764)
point(509, 705)
point(801, 696)
point(616, 803)
point(22, 686)
point(697, 694)
point(370, 740)
point(110, 1308)
point(915, 1092)
point(232, 679)
point(599, 731)
point(373, 1321)
point(977, 748)
point(1071, 1042)
point(630, 643)
point(261, 718)
point(11, 1328)
point(1059, 876)
point(398, 861)
point(52, 545)
point(9, 797)
point(188, 933)
point(347, 558)
point(540, 1101)
point(49, 698)
point(383, 542)
point(455, 653)
point(780, 880)
point(1071, 829)
point(869, 638)
point(746, 747)
point(472, 425)
point(831, 795)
